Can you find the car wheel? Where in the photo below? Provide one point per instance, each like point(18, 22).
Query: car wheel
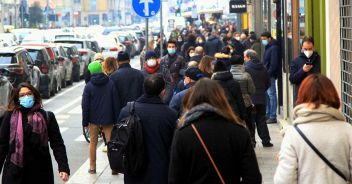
point(53, 90)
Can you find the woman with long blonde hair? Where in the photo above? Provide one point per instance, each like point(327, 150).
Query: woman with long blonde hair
point(211, 146)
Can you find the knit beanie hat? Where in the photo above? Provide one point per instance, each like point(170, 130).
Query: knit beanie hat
point(95, 67)
point(150, 54)
point(219, 66)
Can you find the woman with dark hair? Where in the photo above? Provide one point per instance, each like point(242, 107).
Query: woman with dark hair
point(191, 42)
point(317, 123)
point(211, 146)
point(24, 135)
point(190, 53)
point(206, 65)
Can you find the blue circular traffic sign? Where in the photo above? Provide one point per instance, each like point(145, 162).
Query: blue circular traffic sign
point(146, 8)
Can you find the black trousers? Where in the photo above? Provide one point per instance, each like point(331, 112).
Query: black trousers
point(249, 123)
point(260, 121)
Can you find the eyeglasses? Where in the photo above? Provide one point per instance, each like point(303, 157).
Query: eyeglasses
point(29, 93)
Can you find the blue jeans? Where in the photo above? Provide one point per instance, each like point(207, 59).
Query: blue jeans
point(271, 102)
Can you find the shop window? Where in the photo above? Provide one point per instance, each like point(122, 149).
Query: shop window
point(346, 57)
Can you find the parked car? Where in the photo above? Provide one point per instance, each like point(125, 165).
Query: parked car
point(36, 37)
point(22, 33)
point(135, 40)
point(94, 46)
point(73, 55)
point(19, 66)
point(57, 70)
point(126, 40)
point(87, 55)
point(7, 40)
point(47, 69)
point(141, 37)
point(109, 47)
point(65, 65)
point(5, 91)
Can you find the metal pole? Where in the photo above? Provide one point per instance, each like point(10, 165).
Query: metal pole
point(15, 14)
point(2, 16)
point(146, 34)
point(161, 29)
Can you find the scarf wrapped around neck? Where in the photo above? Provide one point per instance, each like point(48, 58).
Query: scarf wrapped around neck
point(151, 70)
point(39, 126)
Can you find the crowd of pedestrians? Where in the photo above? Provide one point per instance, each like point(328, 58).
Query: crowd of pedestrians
point(199, 105)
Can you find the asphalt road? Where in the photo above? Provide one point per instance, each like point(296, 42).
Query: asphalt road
point(66, 106)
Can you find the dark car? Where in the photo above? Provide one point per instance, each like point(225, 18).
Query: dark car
point(84, 49)
point(47, 69)
point(5, 91)
point(73, 55)
point(19, 66)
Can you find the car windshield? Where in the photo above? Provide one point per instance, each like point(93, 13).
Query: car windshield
point(122, 38)
point(139, 34)
point(33, 54)
point(6, 59)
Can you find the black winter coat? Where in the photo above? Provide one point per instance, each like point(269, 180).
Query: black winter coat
point(158, 122)
point(260, 78)
point(129, 84)
point(37, 162)
point(233, 92)
point(239, 48)
point(100, 102)
point(271, 59)
point(229, 145)
point(297, 75)
point(212, 46)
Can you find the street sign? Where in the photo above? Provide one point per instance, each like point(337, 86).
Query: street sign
point(238, 6)
point(146, 8)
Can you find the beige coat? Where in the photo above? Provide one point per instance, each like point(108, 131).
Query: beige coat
point(326, 128)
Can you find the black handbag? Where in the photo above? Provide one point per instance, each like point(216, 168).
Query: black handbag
point(337, 171)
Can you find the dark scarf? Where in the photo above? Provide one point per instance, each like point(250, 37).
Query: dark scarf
point(37, 121)
point(151, 70)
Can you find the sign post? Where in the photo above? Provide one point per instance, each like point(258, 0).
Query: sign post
point(146, 9)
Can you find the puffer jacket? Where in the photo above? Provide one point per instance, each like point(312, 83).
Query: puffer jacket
point(246, 83)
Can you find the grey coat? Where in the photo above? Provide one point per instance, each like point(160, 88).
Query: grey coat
point(245, 81)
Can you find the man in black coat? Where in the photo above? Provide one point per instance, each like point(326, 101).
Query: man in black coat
point(308, 62)
point(159, 123)
point(128, 81)
point(213, 45)
point(170, 66)
point(261, 81)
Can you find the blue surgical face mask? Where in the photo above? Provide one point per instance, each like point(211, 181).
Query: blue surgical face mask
point(27, 101)
point(171, 51)
point(265, 42)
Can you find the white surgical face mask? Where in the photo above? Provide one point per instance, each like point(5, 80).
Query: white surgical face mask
point(238, 38)
point(192, 54)
point(308, 53)
point(151, 62)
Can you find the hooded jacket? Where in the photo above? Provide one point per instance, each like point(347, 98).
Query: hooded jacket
point(232, 91)
point(327, 130)
point(212, 46)
point(228, 143)
point(100, 103)
point(260, 78)
point(245, 81)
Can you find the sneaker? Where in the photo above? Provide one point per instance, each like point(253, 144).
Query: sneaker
point(267, 144)
point(105, 149)
point(114, 172)
point(92, 171)
point(271, 121)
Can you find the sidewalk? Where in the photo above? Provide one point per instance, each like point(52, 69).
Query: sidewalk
point(265, 156)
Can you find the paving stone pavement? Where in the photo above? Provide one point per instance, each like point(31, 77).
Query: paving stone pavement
point(266, 156)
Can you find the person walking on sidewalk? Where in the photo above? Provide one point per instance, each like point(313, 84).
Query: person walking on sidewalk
point(247, 88)
point(210, 118)
point(271, 62)
point(232, 89)
point(317, 118)
point(170, 66)
point(261, 81)
point(308, 62)
point(99, 107)
point(151, 64)
point(128, 81)
point(24, 135)
point(109, 65)
point(158, 125)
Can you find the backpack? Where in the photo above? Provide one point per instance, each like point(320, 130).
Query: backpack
point(126, 148)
